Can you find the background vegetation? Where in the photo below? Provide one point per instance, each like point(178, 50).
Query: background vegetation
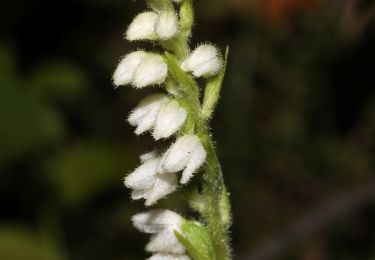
point(295, 128)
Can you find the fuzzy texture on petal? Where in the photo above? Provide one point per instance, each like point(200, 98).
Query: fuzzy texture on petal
point(148, 156)
point(165, 256)
point(165, 241)
point(124, 74)
point(164, 185)
point(155, 221)
point(151, 71)
point(145, 114)
point(144, 176)
point(167, 25)
point(143, 27)
point(203, 61)
point(198, 157)
point(186, 153)
point(170, 118)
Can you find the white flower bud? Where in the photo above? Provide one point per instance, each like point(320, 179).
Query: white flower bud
point(151, 71)
point(167, 25)
point(125, 71)
point(161, 223)
point(164, 256)
point(186, 153)
point(170, 118)
point(204, 61)
point(145, 114)
point(143, 27)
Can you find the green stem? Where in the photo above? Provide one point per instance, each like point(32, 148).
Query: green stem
point(214, 199)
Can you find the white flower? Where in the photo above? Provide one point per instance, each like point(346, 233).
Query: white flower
point(152, 70)
point(164, 256)
point(148, 184)
point(145, 114)
point(170, 118)
point(186, 153)
point(167, 24)
point(125, 71)
point(143, 27)
point(204, 61)
point(162, 224)
point(177, 1)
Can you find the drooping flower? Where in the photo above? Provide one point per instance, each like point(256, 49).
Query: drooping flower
point(203, 61)
point(140, 69)
point(170, 118)
point(162, 224)
point(151, 71)
point(125, 71)
point(143, 27)
point(187, 154)
point(167, 24)
point(145, 114)
point(148, 184)
point(158, 112)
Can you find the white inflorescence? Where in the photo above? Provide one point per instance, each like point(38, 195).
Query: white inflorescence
point(162, 224)
point(163, 116)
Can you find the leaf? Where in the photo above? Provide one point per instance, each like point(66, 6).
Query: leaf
point(181, 77)
point(212, 90)
point(196, 240)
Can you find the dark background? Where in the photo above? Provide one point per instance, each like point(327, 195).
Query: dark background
point(294, 129)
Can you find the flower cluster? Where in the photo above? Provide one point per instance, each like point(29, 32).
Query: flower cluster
point(163, 116)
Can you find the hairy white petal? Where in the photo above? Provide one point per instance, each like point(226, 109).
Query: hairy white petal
point(143, 27)
point(151, 71)
point(167, 24)
point(164, 185)
point(145, 114)
point(166, 256)
point(165, 241)
point(198, 157)
point(178, 155)
point(203, 61)
point(139, 194)
point(157, 220)
point(124, 74)
point(170, 118)
point(144, 176)
point(148, 156)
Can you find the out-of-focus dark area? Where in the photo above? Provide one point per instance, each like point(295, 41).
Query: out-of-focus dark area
point(295, 128)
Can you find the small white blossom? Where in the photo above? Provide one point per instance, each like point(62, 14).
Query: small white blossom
point(151, 71)
point(145, 114)
point(162, 224)
point(170, 118)
point(167, 24)
point(186, 154)
point(143, 27)
point(203, 61)
point(125, 71)
point(164, 256)
point(148, 184)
